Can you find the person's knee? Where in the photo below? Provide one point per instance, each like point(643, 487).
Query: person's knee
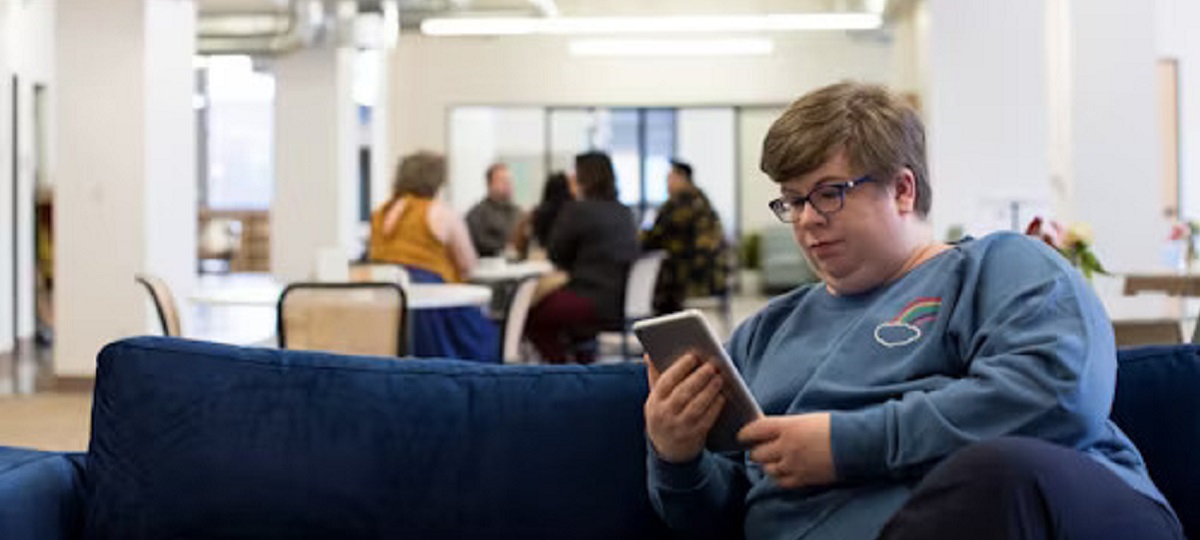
point(1006, 460)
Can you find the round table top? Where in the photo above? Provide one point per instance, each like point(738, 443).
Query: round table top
point(419, 295)
point(505, 271)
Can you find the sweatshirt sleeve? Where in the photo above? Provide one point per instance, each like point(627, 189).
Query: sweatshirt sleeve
point(706, 497)
point(1039, 361)
point(701, 499)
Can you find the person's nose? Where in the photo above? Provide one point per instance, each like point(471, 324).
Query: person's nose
point(809, 217)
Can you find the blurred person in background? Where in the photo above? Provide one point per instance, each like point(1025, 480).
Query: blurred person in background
point(492, 220)
point(594, 241)
point(690, 231)
point(533, 233)
point(430, 240)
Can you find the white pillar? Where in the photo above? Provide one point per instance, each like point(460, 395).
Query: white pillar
point(8, 266)
point(126, 184)
point(987, 113)
point(1115, 142)
point(316, 159)
point(383, 158)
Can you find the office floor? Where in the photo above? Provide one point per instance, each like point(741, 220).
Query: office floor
point(34, 414)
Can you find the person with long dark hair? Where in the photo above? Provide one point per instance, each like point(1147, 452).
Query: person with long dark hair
point(594, 240)
point(534, 230)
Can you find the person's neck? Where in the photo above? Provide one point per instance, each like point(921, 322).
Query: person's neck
point(921, 248)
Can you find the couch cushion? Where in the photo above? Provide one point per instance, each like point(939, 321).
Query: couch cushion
point(196, 440)
point(1158, 405)
point(41, 494)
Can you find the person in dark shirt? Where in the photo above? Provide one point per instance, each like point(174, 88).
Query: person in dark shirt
point(493, 219)
point(689, 230)
point(594, 240)
point(534, 229)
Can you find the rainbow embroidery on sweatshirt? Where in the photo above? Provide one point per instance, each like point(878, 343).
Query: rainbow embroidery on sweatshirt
point(905, 328)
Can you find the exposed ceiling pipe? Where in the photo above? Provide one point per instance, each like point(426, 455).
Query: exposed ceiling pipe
point(262, 33)
point(546, 7)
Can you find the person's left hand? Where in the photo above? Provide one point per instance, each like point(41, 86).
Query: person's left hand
point(796, 451)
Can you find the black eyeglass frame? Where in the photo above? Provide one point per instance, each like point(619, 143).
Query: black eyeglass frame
point(783, 206)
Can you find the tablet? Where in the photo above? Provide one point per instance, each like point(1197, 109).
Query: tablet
point(669, 337)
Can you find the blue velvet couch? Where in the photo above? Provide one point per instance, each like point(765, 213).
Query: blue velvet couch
point(196, 440)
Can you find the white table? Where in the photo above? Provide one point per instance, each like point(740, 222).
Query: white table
point(489, 274)
point(419, 295)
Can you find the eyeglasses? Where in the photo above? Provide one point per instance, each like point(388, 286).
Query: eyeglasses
point(826, 199)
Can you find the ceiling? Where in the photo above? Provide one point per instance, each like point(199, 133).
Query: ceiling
point(425, 8)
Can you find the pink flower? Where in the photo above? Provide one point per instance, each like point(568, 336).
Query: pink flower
point(1179, 231)
point(1049, 231)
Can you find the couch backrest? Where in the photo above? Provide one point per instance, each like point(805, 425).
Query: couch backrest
point(1158, 405)
point(198, 440)
point(41, 494)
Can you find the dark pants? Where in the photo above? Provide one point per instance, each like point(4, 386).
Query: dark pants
point(558, 323)
point(1018, 488)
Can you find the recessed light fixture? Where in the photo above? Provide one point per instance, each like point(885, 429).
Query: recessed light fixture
point(779, 22)
point(672, 47)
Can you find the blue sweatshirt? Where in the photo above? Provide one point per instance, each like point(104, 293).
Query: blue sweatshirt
point(997, 336)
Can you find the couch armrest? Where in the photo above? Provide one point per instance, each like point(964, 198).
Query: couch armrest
point(41, 494)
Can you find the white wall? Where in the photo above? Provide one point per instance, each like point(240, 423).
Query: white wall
point(756, 188)
point(316, 160)
point(433, 74)
point(170, 156)
point(1115, 136)
point(707, 140)
point(1177, 38)
point(114, 73)
point(987, 113)
point(6, 182)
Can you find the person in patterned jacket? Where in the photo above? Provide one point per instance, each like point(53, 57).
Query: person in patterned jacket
point(690, 231)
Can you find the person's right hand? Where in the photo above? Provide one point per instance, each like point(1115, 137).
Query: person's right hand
point(683, 404)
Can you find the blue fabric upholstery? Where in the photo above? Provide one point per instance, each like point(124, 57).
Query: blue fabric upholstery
point(1158, 406)
point(195, 440)
point(200, 440)
point(41, 494)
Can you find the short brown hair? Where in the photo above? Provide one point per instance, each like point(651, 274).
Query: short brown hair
point(420, 174)
point(491, 171)
point(879, 133)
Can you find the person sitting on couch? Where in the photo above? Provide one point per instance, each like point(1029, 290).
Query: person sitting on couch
point(923, 390)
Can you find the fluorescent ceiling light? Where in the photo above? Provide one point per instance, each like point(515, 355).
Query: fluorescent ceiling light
point(498, 26)
point(671, 47)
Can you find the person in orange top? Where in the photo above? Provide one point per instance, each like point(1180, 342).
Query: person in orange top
point(415, 229)
point(431, 241)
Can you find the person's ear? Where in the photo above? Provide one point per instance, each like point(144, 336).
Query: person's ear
point(905, 186)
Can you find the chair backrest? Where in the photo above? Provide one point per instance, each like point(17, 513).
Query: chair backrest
point(367, 318)
point(379, 272)
point(164, 303)
point(514, 320)
point(639, 287)
point(1131, 333)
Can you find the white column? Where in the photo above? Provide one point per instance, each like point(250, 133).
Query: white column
point(8, 266)
point(125, 184)
point(383, 158)
point(1115, 142)
point(316, 159)
point(987, 113)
